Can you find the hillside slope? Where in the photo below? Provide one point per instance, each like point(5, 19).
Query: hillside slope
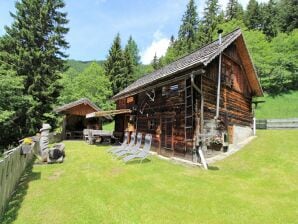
point(282, 106)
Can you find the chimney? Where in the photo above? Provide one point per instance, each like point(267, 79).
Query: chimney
point(219, 35)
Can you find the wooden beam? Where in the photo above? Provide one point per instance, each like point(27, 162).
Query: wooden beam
point(108, 113)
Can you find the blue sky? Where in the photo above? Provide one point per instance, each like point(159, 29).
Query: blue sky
point(94, 23)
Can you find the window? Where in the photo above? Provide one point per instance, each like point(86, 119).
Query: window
point(151, 124)
point(174, 88)
point(129, 100)
point(170, 90)
point(164, 91)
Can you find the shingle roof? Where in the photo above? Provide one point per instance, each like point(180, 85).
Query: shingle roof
point(202, 56)
point(85, 101)
point(76, 103)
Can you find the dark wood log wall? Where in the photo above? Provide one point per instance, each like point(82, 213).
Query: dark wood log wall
point(167, 111)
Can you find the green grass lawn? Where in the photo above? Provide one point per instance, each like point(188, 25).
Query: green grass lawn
point(259, 184)
point(109, 126)
point(283, 106)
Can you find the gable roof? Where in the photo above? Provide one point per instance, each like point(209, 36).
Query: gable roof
point(83, 101)
point(202, 56)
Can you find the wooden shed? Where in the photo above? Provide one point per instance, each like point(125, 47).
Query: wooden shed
point(208, 91)
point(74, 118)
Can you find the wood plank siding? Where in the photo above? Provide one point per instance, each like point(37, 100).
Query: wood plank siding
point(168, 106)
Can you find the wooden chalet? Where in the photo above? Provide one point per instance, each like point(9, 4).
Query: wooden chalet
point(75, 121)
point(178, 103)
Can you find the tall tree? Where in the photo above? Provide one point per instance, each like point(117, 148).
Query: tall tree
point(269, 22)
point(155, 62)
point(189, 26)
point(132, 48)
point(34, 42)
point(288, 15)
point(130, 67)
point(210, 19)
point(252, 17)
point(234, 10)
point(114, 65)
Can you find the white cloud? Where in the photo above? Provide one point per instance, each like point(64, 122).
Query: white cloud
point(158, 46)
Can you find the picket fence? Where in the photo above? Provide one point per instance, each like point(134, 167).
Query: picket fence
point(12, 166)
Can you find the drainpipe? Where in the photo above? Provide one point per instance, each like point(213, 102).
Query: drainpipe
point(219, 76)
point(201, 154)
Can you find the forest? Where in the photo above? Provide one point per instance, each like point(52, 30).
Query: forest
point(36, 76)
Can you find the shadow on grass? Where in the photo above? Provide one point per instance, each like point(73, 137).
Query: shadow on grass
point(213, 168)
point(15, 202)
point(138, 161)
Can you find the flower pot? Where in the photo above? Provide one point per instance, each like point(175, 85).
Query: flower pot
point(215, 146)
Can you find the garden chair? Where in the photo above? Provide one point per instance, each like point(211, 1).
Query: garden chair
point(123, 144)
point(132, 150)
point(142, 154)
point(130, 145)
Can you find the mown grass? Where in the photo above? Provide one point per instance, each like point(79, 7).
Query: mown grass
point(109, 126)
point(281, 106)
point(259, 184)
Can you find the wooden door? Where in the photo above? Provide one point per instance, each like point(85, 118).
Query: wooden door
point(167, 136)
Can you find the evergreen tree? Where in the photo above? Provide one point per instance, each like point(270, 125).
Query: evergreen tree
point(252, 17)
point(189, 27)
point(114, 66)
point(132, 48)
point(288, 15)
point(34, 42)
point(154, 62)
point(128, 64)
point(210, 19)
point(269, 23)
point(234, 10)
point(172, 40)
point(157, 63)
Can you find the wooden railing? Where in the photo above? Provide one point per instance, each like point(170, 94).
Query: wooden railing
point(289, 123)
point(12, 166)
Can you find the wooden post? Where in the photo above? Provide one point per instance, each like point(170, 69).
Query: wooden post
point(172, 137)
point(159, 138)
point(64, 127)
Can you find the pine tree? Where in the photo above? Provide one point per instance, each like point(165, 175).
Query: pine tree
point(210, 19)
point(132, 48)
point(188, 28)
point(34, 42)
point(114, 66)
point(252, 17)
point(155, 62)
point(269, 22)
point(129, 65)
point(287, 15)
point(234, 10)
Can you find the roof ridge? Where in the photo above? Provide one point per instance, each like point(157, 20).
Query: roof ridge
point(195, 57)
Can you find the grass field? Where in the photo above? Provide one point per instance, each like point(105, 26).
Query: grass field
point(283, 106)
point(109, 126)
point(259, 184)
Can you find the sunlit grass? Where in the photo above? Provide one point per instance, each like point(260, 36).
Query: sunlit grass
point(259, 184)
point(282, 106)
point(109, 126)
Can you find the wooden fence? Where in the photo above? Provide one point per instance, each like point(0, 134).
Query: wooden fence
point(12, 166)
point(290, 123)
